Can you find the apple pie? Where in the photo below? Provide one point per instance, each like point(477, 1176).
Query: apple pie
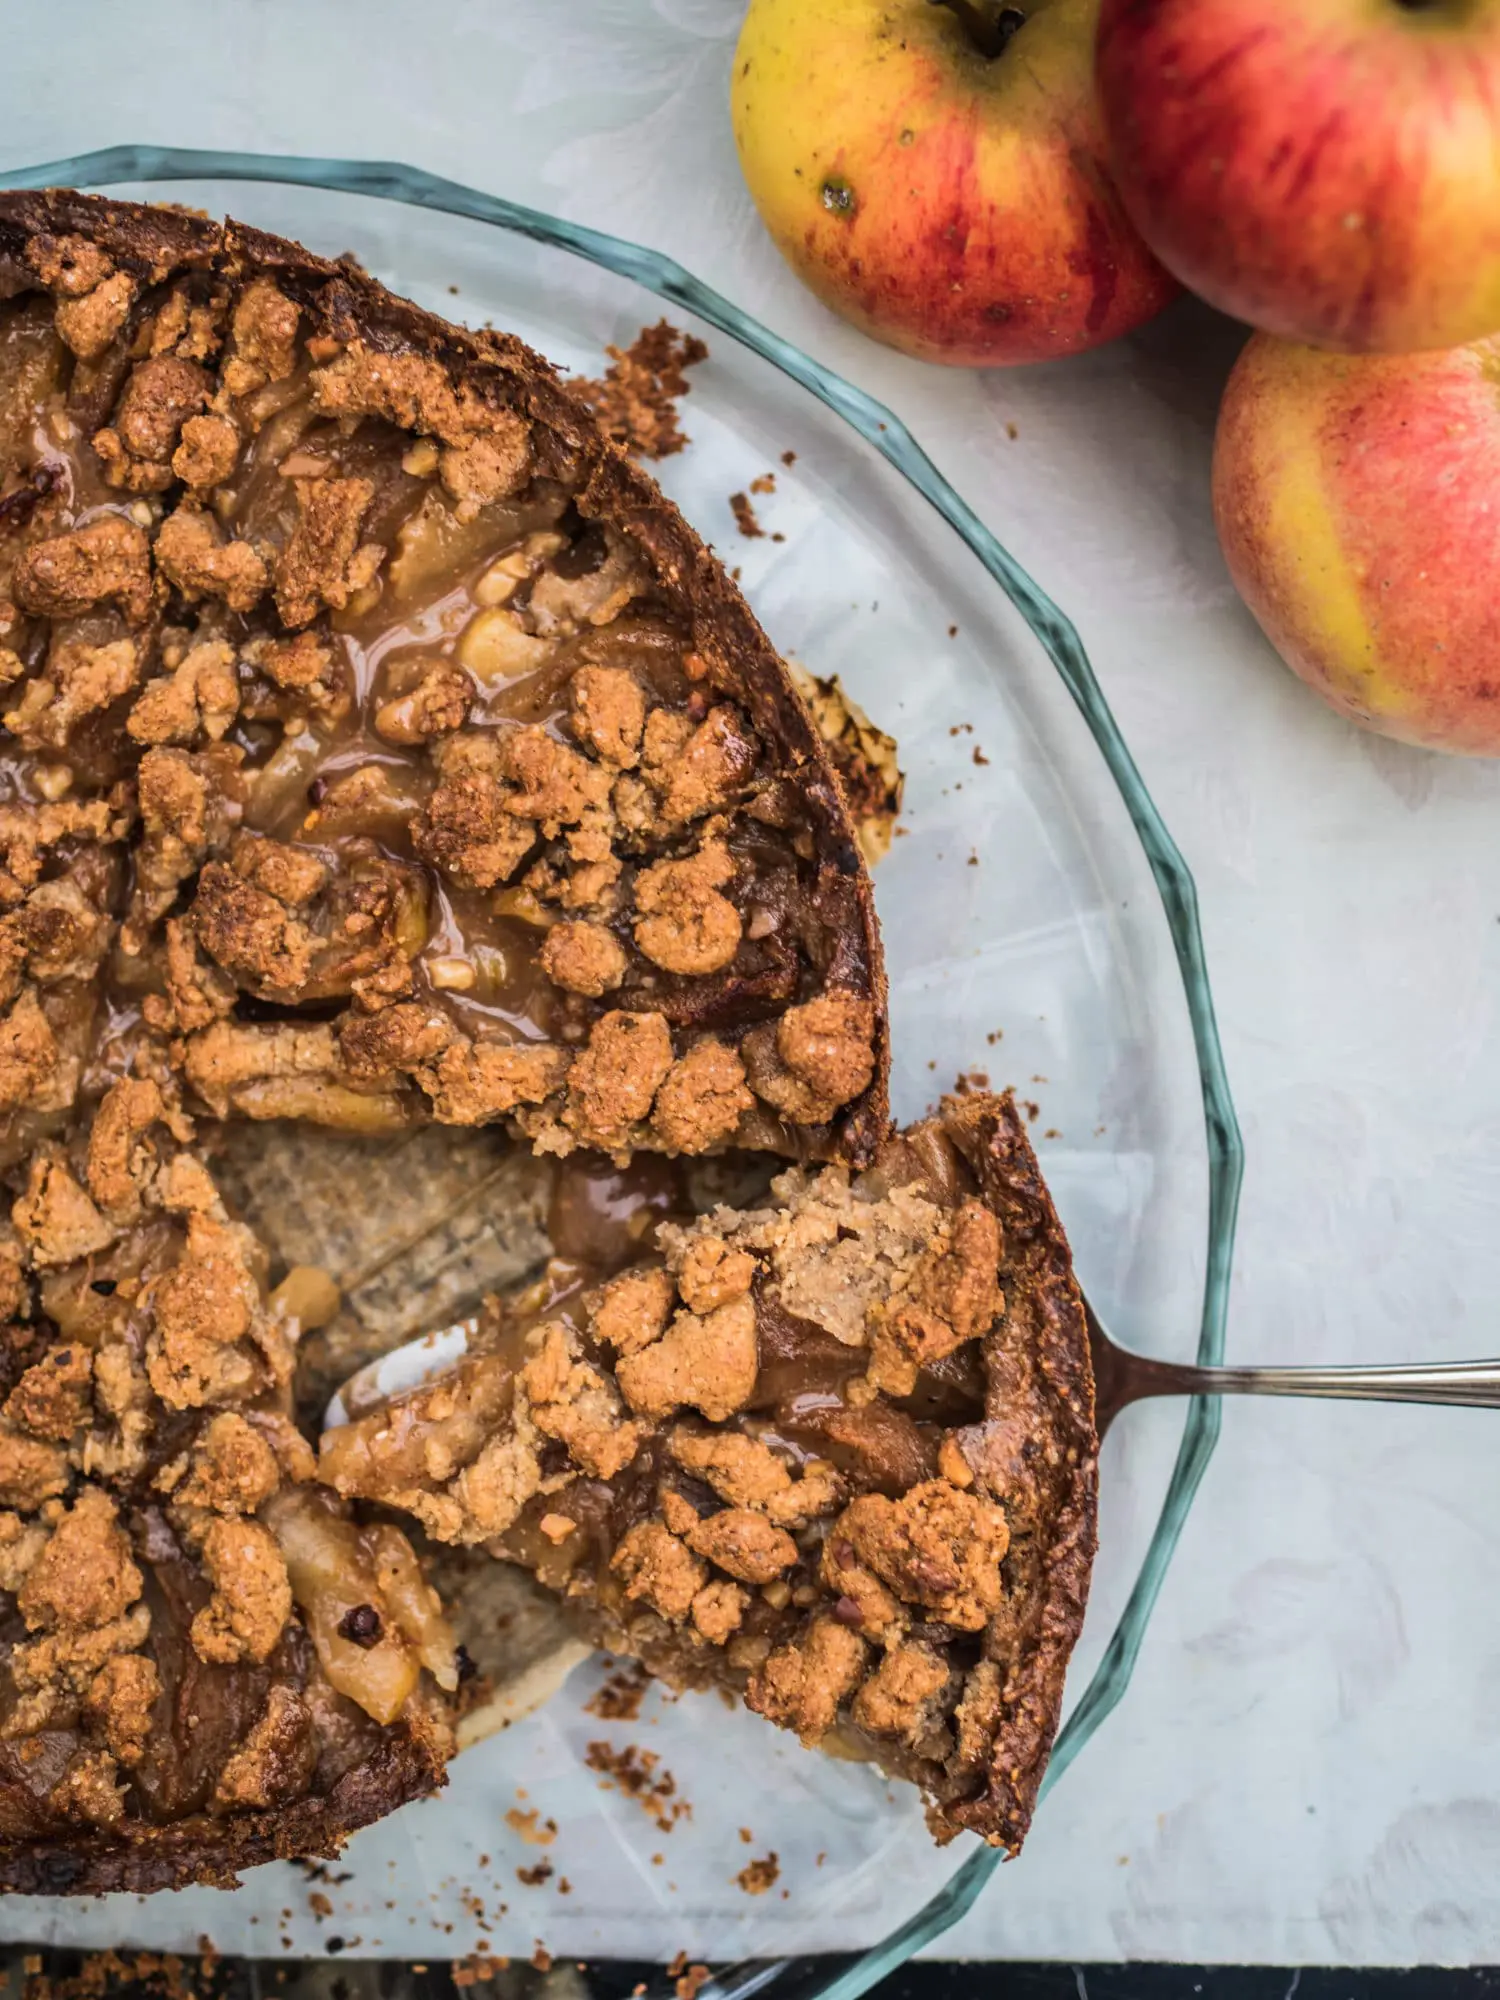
point(381, 751)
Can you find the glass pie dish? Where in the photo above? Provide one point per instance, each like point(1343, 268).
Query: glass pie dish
point(1040, 929)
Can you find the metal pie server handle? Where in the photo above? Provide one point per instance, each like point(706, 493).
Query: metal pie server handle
point(405, 1367)
point(1121, 1377)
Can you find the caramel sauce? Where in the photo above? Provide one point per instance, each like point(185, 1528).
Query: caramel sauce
point(607, 1214)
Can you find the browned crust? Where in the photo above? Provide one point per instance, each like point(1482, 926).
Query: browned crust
point(1044, 1326)
point(344, 302)
point(407, 1764)
point(151, 243)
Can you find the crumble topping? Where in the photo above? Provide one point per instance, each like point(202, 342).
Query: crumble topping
point(33, 1070)
point(278, 1757)
point(233, 1468)
point(88, 1791)
point(324, 562)
point(802, 1685)
point(77, 681)
point(583, 958)
point(83, 1576)
point(106, 562)
point(612, 1084)
point(208, 453)
point(197, 697)
point(895, 1273)
point(684, 925)
point(569, 1399)
point(818, 1056)
point(55, 1219)
point(69, 266)
point(252, 1597)
point(719, 1610)
point(159, 397)
point(193, 553)
point(811, 1499)
point(703, 1361)
point(711, 1274)
point(935, 1547)
point(902, 1697)
point(702, 1099)
point(265, 338)
point(54, 1397)
point(90, 325)
point(736, 1540)
point(633, 1310)
point(119, 1705)
point(608, 714)
point(636, 400)
point(746, 1472)
point(952, 1296)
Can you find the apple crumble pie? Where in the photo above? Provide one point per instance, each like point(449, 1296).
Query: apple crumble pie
point(420, 762)
point(382, 751)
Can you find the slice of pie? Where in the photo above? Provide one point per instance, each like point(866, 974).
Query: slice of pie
point(382, 746)
point(836, 1455)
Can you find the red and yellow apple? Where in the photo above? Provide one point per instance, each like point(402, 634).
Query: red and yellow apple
point(934, 172)
point(1328, 170)
point(1357, 499)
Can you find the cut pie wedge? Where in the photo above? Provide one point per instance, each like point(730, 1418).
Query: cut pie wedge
point(836, 1455)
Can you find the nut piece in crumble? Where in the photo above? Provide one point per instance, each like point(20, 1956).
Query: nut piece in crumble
point(835, 1454)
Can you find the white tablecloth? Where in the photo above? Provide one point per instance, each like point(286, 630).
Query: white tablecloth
point(1307, 1768)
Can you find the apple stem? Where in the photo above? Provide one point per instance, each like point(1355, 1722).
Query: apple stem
point(989, 27)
